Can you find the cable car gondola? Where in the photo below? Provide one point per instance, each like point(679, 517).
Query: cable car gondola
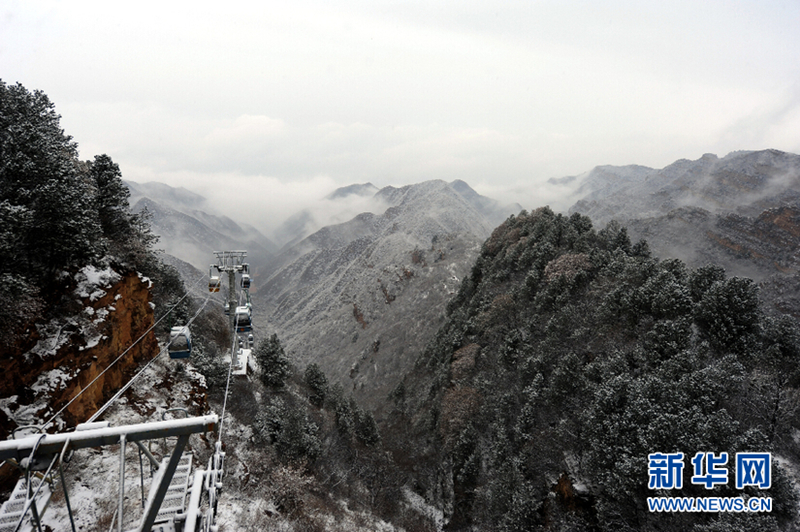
point(214, 282)
point(180, 342)
point(245, 281)
point(244, 320)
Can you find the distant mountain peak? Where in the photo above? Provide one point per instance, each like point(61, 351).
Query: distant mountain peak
point(363, 189)
point(179, 197)
point(189, 232)
point(336, 297)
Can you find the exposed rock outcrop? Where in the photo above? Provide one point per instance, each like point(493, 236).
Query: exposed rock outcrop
point(105, 313)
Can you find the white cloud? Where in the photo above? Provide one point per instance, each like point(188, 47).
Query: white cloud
point(305, 96)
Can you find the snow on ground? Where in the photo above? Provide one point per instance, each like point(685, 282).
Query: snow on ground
point(35, 413)
point(145, 280)
point(55, 379)
point(91, 282)
point(418, 503)
point(92, 475)
point(52, 337)
point(6, 402)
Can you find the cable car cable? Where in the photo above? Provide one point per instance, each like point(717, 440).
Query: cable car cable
point(230, 370)
point(141, 371)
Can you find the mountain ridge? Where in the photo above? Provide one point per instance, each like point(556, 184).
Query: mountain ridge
point(188, 232)
point(738, 211)
point(348, 296)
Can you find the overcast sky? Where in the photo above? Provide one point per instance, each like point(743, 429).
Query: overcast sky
point(284, 101)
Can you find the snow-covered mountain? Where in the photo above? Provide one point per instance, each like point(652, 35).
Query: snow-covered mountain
point(337, 207)
point(346, 202)
point(359, 189)
point(362, 298)
point(187, 229)
point(742, 182)
point(741, 211)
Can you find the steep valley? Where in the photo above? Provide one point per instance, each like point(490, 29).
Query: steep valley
point(361, 299)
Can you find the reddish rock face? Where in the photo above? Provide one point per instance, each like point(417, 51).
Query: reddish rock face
point(83, 346)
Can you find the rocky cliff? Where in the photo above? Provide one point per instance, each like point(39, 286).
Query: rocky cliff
point(101, 314)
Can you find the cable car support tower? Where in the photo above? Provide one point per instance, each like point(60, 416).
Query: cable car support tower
point(231, 263)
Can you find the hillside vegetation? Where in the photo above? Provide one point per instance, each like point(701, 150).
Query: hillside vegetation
point(567, 356)
point(58, 213)
point(571, 354)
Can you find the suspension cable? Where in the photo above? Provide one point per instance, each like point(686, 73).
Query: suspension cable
point(230, 369)
point(142, 370)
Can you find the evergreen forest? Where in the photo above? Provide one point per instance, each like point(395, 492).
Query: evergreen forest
point(569, 356)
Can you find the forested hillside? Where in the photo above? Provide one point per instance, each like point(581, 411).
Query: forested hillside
point(568, 357)
point(79, 272)
point(57, 213)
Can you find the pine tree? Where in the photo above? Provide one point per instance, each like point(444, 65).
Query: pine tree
point(41, 176)
point(273, 362)
point(113, 209)
point(728, 312)
point(318, 383)
point(65, 231)
point(33, 147)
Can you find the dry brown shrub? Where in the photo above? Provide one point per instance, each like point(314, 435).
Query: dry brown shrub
point(464, 361)
point(458, 406)
point(502, 304)
point(567, 265)
point(513, 235)
point(496, 240)
point(498, 312)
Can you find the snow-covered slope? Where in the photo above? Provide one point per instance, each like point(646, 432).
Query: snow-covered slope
point(741, 212)
point(363, 297)
point(192, 236)
point(744, 182)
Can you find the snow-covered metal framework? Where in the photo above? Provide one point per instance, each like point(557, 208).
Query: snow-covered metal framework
point(41, 452)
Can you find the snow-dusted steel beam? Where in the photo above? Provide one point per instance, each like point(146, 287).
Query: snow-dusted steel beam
point(193, 509)
point(53, 443)
point(159, 489)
